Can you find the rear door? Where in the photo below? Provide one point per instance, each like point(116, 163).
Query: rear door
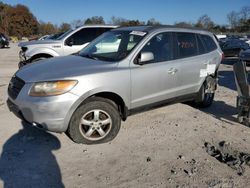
point(156, 80)
point(197, 58)
point(189, 63)
point(81, 39)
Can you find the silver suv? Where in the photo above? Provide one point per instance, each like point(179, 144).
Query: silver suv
point(68, 43)
point(88, 94)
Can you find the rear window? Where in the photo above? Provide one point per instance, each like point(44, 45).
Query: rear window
point(186, 44)
point(208, 42)
point(201, 46)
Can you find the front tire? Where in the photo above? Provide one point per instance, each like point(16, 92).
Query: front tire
point(96, 121)
point(38, 59)
point(21, 64)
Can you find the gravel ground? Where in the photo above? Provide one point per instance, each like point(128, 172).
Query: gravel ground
point(163, 147)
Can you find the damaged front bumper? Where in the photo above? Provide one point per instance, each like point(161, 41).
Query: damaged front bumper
point(23, 59)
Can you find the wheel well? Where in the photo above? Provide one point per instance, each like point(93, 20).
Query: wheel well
point(211, 82)
point(40, 55)
point(122, 108)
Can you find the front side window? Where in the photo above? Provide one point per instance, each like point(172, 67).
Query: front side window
point(113, 45)
point(85, 35)
point(186, 44)
point(160, 46)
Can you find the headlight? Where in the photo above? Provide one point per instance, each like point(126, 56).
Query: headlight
point(51, 88)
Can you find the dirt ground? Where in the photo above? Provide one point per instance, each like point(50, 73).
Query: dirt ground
point(163, 147)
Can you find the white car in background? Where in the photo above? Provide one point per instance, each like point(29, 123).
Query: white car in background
point(70, 42)
point(221, 37)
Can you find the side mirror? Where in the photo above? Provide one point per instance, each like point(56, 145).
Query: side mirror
point(145, 57)
point(93, 49)
point(69, 42)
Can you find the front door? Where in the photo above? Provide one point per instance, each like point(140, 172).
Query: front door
point(154, 81)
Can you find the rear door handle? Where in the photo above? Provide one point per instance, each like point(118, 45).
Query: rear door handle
point(172, 71)
point(208, 62)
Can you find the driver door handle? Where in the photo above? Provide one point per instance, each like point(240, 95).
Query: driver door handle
point(172, 71)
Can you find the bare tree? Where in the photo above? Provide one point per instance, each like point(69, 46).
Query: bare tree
point(94, 20)
point(183, 24)
point(245, 13)
point(64, 27)
point(124, 22)
point(77, 23)
point(117, 20)
point(233, 19)
point(205, 22)
point(153, 21)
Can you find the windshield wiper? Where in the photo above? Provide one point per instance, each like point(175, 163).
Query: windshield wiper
point(90, 56)
point(77, 53)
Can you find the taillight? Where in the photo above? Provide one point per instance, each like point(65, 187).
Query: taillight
point(222, 56)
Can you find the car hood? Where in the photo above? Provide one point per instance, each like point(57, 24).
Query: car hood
point(245, 55)
point(35, 42)
point(60, 68)
point(247, 51)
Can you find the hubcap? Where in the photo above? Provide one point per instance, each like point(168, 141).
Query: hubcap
point(206, 96)
point(95, 124)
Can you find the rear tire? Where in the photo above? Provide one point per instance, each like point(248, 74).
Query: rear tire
point(96, 121)
point(204, 99)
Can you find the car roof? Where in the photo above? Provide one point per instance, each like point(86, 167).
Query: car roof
point(160, 27)
point(97, 25)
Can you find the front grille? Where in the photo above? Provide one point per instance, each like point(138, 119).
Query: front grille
point(15, 86)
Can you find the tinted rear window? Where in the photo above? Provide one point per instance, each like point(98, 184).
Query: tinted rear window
point(186, 44)
point(208, 42)
point(201, 46)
